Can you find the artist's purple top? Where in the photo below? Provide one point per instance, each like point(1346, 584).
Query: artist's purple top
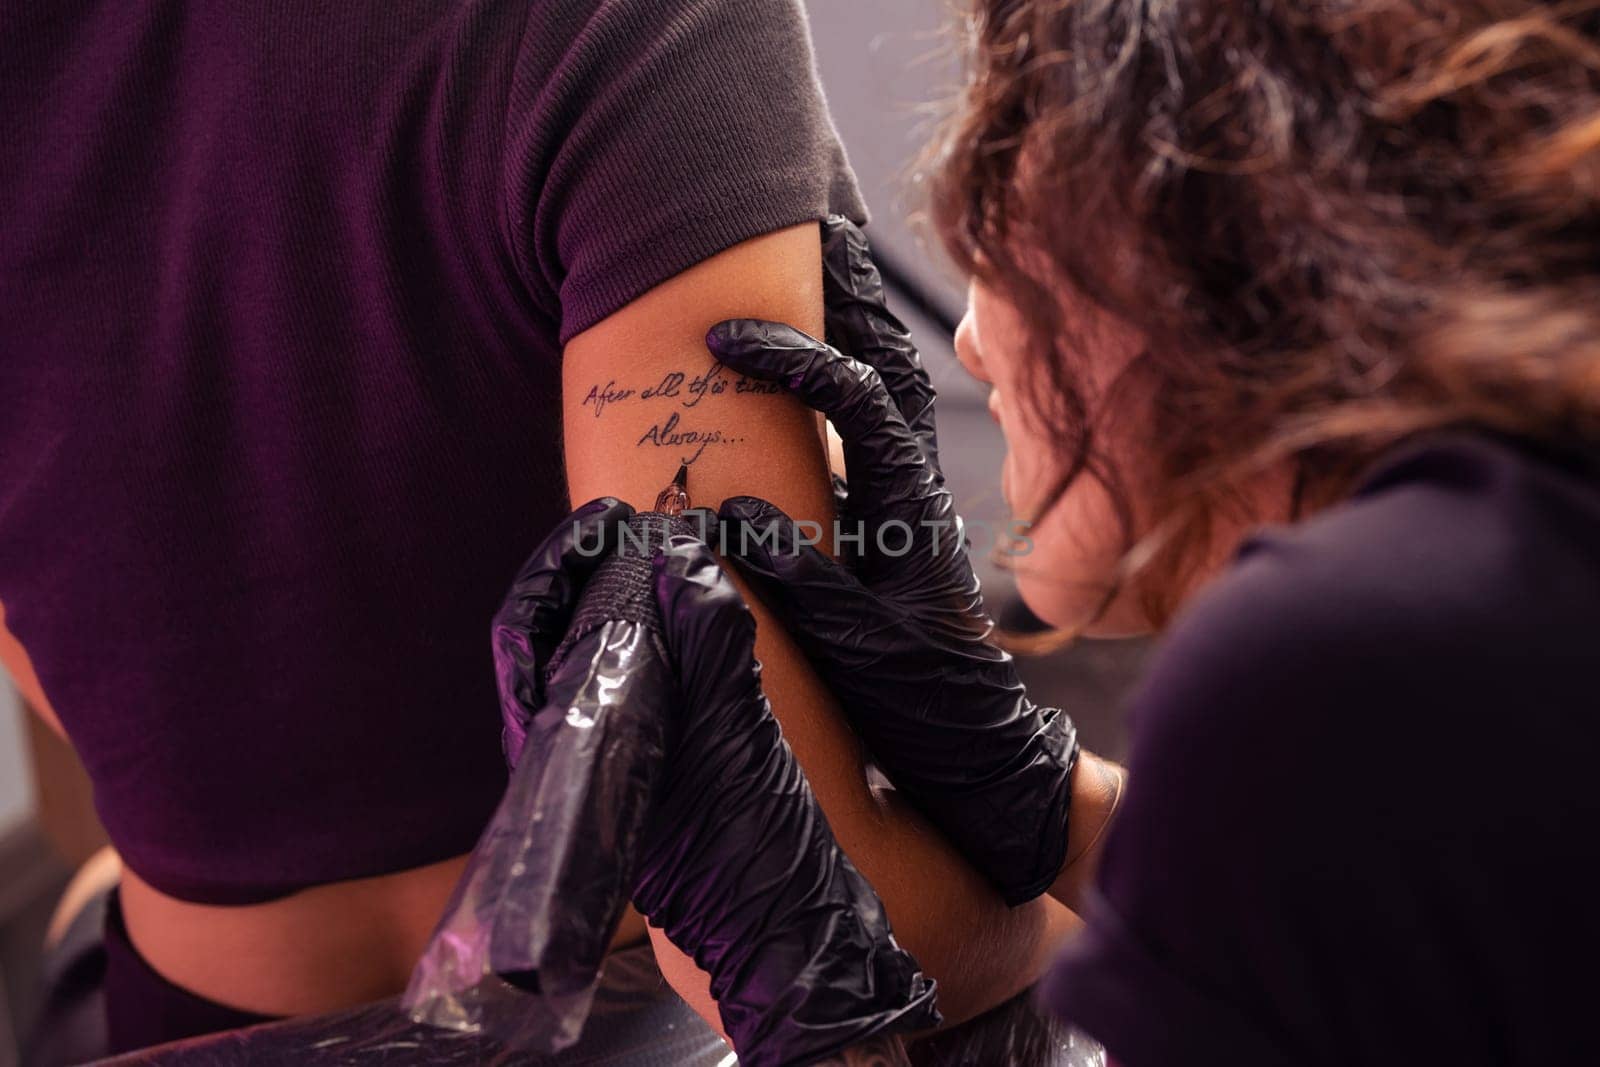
point(283, 288)
point(1364, 811)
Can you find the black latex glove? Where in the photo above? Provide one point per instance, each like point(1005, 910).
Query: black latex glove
point(899, 633)
point(734, 859)
point(741, 869)
point(534, 615)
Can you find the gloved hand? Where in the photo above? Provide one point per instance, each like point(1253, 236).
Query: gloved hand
point(740, 868)
point(534, 615)
point(899, 632)
point(734, 859)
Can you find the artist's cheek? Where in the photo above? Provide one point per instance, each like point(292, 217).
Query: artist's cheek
point(991, 344)
point(992, 341)
point(1032, 467)
point(1065, 566)
point(1079, 535)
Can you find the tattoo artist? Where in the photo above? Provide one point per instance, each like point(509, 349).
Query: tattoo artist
point(1255, 902)
point(1290, 313)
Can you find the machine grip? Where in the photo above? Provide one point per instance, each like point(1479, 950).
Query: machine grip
point(621, 589)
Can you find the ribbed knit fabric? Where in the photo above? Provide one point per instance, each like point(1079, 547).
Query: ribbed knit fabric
point(283, 288)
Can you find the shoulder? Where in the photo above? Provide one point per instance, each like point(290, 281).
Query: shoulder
point(1460, 568)
point(1450, 534)
point(643, 138)
point(1356, 743)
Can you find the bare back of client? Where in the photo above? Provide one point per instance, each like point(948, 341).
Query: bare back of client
point(318, 950)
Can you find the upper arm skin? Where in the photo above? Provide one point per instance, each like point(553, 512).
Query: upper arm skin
point(980, 952)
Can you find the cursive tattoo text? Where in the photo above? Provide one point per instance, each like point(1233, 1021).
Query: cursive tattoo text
point(677, 394)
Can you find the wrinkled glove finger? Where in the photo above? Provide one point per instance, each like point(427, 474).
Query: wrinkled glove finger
point(707, 627)
point(884, 462)
point(547, 587)
point(705, 524)
point(859, 322)
point(799, 583)
point(744, 872)
point(534, 615)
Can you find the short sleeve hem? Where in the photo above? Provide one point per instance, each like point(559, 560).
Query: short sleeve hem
point(703, 229)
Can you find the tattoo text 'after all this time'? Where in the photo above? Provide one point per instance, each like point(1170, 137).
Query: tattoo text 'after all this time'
point(685, 393)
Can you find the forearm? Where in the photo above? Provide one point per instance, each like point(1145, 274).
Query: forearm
point(1097, 786)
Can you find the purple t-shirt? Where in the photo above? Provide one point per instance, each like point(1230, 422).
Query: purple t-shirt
point(283, 291)
point(1364, 813)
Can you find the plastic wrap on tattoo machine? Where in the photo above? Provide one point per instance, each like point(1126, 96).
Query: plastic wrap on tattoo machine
point(521, 944)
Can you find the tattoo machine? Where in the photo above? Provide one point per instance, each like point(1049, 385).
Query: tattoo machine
point(518, 954)
point(547, 884)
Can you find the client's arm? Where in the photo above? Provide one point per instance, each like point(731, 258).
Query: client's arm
point(641, 396)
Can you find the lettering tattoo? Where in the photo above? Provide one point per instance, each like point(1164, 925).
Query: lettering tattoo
point(667, 435)
point(600, 396)
point(679, 392)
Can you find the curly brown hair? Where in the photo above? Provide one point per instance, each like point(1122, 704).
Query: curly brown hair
point(1339, 223)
